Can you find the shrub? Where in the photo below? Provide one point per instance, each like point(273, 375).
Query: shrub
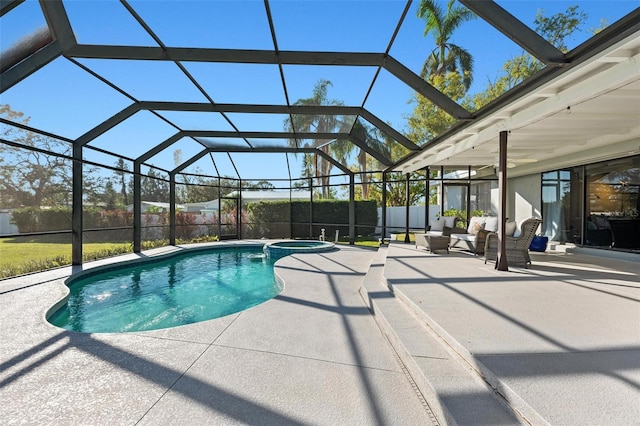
point(35, 219)
point(268, 217)
point(185, 225)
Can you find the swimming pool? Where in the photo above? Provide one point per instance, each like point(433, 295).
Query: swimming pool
point(189, 287)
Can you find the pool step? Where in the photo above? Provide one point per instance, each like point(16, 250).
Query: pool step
point(454, 392)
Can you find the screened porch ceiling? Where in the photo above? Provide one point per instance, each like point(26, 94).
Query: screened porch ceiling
point(211, 86)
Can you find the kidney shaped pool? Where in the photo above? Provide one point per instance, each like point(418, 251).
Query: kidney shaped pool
point(189, 287)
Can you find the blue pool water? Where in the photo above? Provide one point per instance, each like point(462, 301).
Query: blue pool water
point(190, 287)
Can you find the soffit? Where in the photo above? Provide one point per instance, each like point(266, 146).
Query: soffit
point(589, 113)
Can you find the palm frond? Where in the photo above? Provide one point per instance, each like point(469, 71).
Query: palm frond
point(432, 14)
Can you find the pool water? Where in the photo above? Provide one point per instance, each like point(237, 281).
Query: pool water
point(184, 289)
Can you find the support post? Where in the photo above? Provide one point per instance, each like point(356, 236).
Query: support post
point(172, 209)
point(406, 232)
point(311, 208)
point(239, 211)
point(219, 209)
point(501, 261)
point(352, 209)
point(137, 208)
point(76, 207)
point(426, 197)
point(384, 205)
point(468, 201)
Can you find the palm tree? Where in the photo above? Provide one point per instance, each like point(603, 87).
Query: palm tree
point(446, 56)
point(373, 138)
point(339, 149)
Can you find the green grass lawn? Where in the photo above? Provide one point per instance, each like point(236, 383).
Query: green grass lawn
point(15, 253)
point(23, 255)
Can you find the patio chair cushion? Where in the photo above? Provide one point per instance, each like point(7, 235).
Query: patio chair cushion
point(517, 248)
point(436, 225)
point(491, 223)
point(477, 227)
point(441, 222)
point(475, 224)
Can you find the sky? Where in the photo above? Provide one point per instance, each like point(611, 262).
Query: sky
point(66, 100)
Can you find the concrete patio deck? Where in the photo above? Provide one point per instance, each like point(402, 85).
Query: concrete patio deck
point(560, 341)
point(358, 336)
point(312, 355)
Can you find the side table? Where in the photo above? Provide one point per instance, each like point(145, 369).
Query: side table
point(432, 242)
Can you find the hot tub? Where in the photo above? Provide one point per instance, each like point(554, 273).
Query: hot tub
point(280, 249)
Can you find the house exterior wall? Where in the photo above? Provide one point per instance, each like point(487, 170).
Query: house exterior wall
point(524, 197)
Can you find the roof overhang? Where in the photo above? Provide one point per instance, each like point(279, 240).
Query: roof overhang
point(590, 112)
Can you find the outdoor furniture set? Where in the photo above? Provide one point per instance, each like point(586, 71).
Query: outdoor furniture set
point(481, 237)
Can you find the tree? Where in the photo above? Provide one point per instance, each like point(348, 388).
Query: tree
point(396, 183)
point(29, 177)
point(375, 139)
point(261, 184)
point(396, 189)
point(446, 57)
point(121, 173)
point(153, 188)
point(428, 120)
point(556, 30)
point(321, 124)
point(110, 196)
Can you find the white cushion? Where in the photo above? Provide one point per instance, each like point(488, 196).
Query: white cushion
point(517, 232)
point(449, 221)
point(472, 224)
point(510, 228)
point(491, 224)
point(437, 225)
point(464, 237)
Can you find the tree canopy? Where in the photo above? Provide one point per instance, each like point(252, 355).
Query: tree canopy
point(446, 57)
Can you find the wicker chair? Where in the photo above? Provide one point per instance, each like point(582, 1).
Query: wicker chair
point(516, 248)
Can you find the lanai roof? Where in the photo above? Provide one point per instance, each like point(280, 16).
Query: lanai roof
point(222, 80)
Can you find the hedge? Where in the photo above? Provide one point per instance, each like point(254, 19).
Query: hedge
point(34, 219)
point(267, 218)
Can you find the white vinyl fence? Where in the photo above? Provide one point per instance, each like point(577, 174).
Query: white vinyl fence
point(396, 218)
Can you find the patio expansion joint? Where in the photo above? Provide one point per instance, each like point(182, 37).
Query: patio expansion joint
point(207, 346)
point(171, 339)
point(346, 364)
point(184, 373)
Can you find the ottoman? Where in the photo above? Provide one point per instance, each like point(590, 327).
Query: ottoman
point(432, 242)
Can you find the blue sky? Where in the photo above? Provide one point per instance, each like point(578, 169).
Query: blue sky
point(66, 100)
